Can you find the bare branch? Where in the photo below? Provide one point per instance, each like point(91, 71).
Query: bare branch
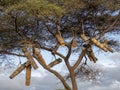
point(79, 59)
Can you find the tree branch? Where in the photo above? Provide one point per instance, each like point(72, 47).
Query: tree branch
point(10, 53)
point(79, 59)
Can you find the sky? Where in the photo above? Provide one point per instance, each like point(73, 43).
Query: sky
point(43, 80)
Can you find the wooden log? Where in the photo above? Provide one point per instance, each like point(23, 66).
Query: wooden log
point(57, 61)
point(98, 44)
point(84, 37)
point(59, 38)
point(30, 58)
point(19, 69)
point(39, 57)
point(28, 75)
point(74, 43)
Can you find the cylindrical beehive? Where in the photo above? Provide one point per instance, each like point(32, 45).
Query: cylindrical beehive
point(93, 57)
point(18, 70)
point(39, 57)
point(30, 58)
point(105, 43)
point(109, 48)
point(57, 61)
point(74, 43)
point(89, 57)
point(98, 44)
point(60, 39)
point(84, 37)
point(28, 74)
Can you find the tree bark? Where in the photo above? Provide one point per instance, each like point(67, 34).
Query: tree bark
point(72, 75)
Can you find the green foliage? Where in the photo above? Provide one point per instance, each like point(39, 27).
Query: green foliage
point(37, 7)
point(72, 5)
point(8, 2)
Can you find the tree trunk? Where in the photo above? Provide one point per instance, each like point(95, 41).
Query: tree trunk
point(72, 75)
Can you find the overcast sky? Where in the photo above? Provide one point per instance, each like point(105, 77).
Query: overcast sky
point(42, 80)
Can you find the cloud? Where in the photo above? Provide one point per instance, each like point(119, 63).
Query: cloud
point(110, 79)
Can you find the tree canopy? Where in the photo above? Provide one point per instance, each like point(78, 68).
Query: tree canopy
point(48, 24)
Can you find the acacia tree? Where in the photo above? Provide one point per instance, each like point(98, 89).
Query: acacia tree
point(28, 26)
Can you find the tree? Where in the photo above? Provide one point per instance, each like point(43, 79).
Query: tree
point(28, 26)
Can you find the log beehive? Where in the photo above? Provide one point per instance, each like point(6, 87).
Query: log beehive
point(84, 37)
point(59, 38)
point(28, 74)
point(18, 70)
point(39, 57)
point(74, 43)
point(30, 58)
point(57, 61)
point(98, 44)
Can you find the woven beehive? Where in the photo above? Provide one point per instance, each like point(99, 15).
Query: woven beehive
point(59, 38)
point(19, 69)
point(98, 44)
point(74, 43)
point(30, 58)
point(28, 74)
point(84, 37)
point(39, 57)
point(57, 61)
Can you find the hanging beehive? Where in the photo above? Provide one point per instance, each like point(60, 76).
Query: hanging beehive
point(84, 37)
point(109, 48)
point(74, 43)
point(28, 74)
point(19, 69)
point(90, 54)
point(59, 38)
point(30, 58)
point(56, 48)
point(39, 57)
point(106, 46)
point(89, 57)
point(98, 44)
point(57, 61)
